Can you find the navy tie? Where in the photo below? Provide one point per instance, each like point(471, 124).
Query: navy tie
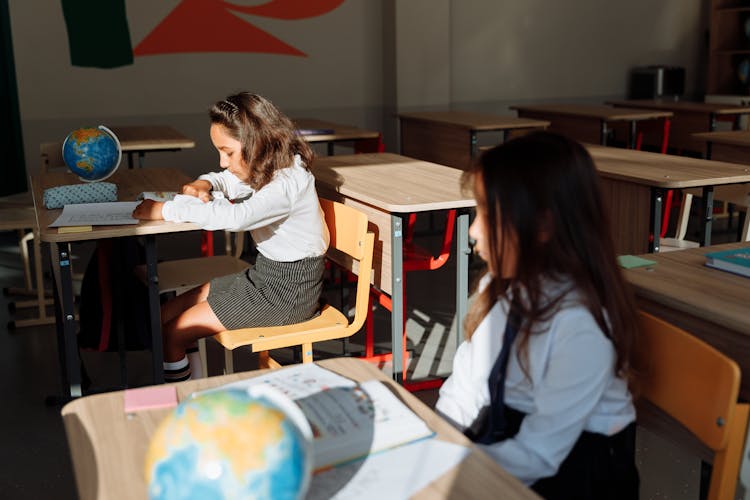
point(490, 425)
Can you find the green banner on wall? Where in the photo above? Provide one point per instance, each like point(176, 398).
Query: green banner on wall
point(98, 33)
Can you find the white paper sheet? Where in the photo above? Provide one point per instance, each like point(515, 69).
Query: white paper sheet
point(97, 214)
point(396, 473)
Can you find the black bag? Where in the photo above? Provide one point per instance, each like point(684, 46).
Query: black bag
point(113, 299)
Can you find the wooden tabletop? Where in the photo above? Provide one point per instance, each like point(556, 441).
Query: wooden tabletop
point(150, 138)
point(109, 447)
point(474, 121)
point(129, 183)
point(392, 182)
point(598, 111)
point(682, 106)
point(682, 281)
point(730, 137)
point(340, 132)
point(665, 171)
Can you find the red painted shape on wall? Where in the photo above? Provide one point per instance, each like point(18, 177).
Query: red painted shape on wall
point(288, 9)
point(210, 26)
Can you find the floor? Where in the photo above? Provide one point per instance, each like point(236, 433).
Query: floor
point(36, 462)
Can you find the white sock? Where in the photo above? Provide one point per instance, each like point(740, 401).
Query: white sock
point(196, 367)
point(177, 371)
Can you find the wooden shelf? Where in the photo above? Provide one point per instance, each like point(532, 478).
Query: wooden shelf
point(729, 45)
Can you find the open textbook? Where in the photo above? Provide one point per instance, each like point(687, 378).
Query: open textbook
point(349, 420)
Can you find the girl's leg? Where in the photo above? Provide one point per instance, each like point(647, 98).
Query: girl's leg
point(185, 329)
point(181, 303)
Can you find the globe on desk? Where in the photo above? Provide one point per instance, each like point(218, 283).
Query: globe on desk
point(231, 443)
point(93, 153)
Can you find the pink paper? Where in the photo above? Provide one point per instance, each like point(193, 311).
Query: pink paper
point(149, 398)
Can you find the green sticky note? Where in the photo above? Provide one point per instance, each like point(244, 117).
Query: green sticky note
point(631, 261)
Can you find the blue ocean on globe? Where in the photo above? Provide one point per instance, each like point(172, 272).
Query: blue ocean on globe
point(93, 154)
point(230, 443)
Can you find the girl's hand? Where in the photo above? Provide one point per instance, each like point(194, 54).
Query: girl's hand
point(148, 210)
point(200, 189)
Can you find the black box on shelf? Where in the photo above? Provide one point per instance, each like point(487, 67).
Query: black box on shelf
point(650, 82)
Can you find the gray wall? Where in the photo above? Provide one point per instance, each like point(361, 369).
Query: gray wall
point(366, 61)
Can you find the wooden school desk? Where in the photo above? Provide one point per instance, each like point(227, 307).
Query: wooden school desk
point(142, 139)
point(388, 187)
point(129, 184)
point(712, 304)
point(109, 447)
point(450, 137)
point(331, 133)
point(589, 122)
point(730, 145)
point(689, 117)
point(633, 184)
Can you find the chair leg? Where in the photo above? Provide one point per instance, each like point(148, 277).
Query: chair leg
point(228, 361)
point(266, 361)
point(307, 353)
point(682, 221)
point(203, 355)
point(24, 248)
point(745, 225)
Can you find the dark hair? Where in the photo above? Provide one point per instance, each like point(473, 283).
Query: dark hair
point(269, 139)
point(543, 183)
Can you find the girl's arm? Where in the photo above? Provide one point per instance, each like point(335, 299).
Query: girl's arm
point(228, 184)
point(200, 188)
point(266, 206)
point(148, 210)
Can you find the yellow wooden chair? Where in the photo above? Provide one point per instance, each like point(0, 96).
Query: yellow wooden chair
point(351, 246)
point(698, 387)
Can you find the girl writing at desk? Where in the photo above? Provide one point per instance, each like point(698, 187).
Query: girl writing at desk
point(268, 190)
point(542, 379)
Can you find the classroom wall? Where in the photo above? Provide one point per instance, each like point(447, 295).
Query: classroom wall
point(365, 61)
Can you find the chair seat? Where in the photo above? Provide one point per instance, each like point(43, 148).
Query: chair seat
point(177, 275)
point(330, 319)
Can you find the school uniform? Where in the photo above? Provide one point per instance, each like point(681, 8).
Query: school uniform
point(286, 222)
point(568, 428)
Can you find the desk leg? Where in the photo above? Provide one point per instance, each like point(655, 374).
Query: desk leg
point(71, 364)
point(330, 148)
point(603, 133)
point(657, 195)
point(462, 272)
point(474, 144)
point(154, 307)
point(708, 215)
point(397, 295)
point(141, 159)
point(633, 135)
point(130, 160)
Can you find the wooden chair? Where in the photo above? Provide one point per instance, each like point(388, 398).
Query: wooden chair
point(350, 244)
point(698, 387)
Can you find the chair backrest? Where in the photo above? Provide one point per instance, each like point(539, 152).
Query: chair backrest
point(698, 386)
point(51, 156)
point(347, 227)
